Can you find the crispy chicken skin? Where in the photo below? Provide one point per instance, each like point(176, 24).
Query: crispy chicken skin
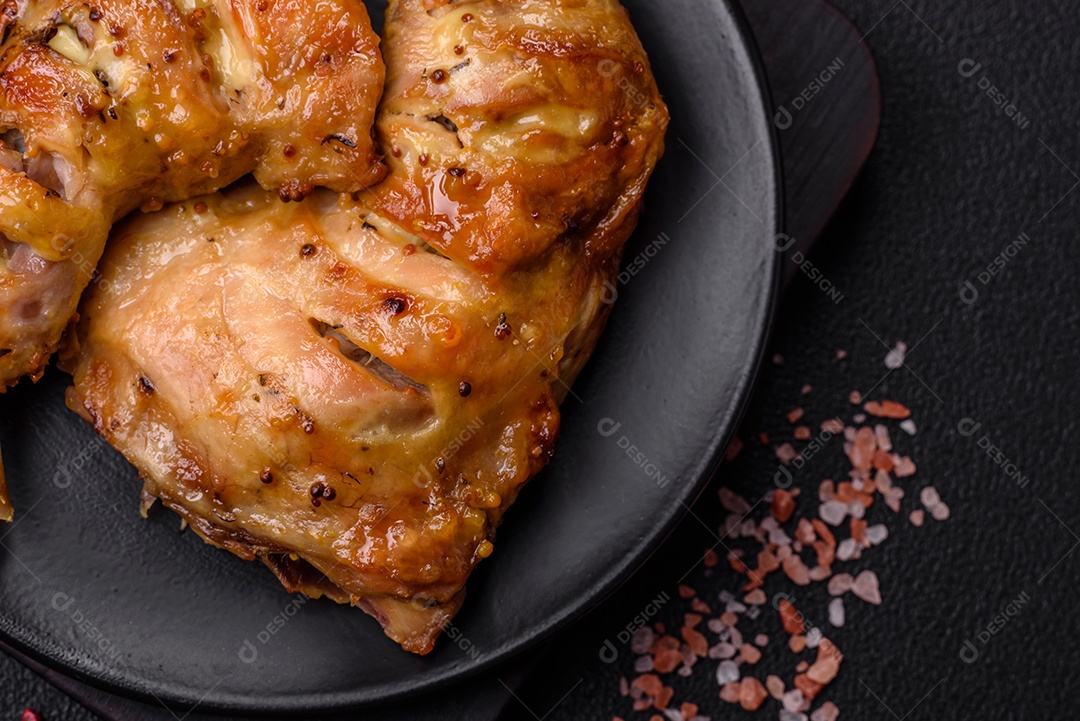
point(354, 389)
point(114, 105)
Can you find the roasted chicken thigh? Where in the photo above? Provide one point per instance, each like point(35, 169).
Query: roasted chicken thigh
point(353, 389)
point(113, 105)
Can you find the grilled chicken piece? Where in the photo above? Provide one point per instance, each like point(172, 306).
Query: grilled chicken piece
point(354, 389)
point(114, 105)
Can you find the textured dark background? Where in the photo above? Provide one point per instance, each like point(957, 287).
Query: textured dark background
point(951, 183)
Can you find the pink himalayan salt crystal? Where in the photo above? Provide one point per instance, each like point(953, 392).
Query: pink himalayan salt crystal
point(826, 712)
point(755, 598)
point(866, 587)
point(733, 502)
point(775, 686)
point(794, 700)
point(893, 497)
point(940, 512)
point(929, 497)
point(917, 517)
point(903, 466)
point(895, 357)
point(881, 433)
point(786, 453)
point(797, 571)
point(833, 512)
point(826, 491)
point(862, 450)
point(840, 584)
point(836, 612)
point(848, 550)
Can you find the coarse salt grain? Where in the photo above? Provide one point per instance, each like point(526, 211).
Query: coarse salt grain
point(642, 640)
point(908, 426)
point(827, 712)
point(752, 694)
point(755, 598)
point(895, 357)
point(733, 502)
point(847, 550)
point(786, 453)
point(917, 517)
point(794, 700)
point(866, 587)
point(836, 612)
point(840, 584)
point(877, 533)
point(833, 512)
point(929, 497)
point(940, 512)
point(727, 672)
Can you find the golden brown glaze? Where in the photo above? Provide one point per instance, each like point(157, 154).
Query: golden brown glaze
point(355, 389)
point(113, 105)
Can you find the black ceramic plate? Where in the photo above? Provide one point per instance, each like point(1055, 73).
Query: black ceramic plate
point(135, 606)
